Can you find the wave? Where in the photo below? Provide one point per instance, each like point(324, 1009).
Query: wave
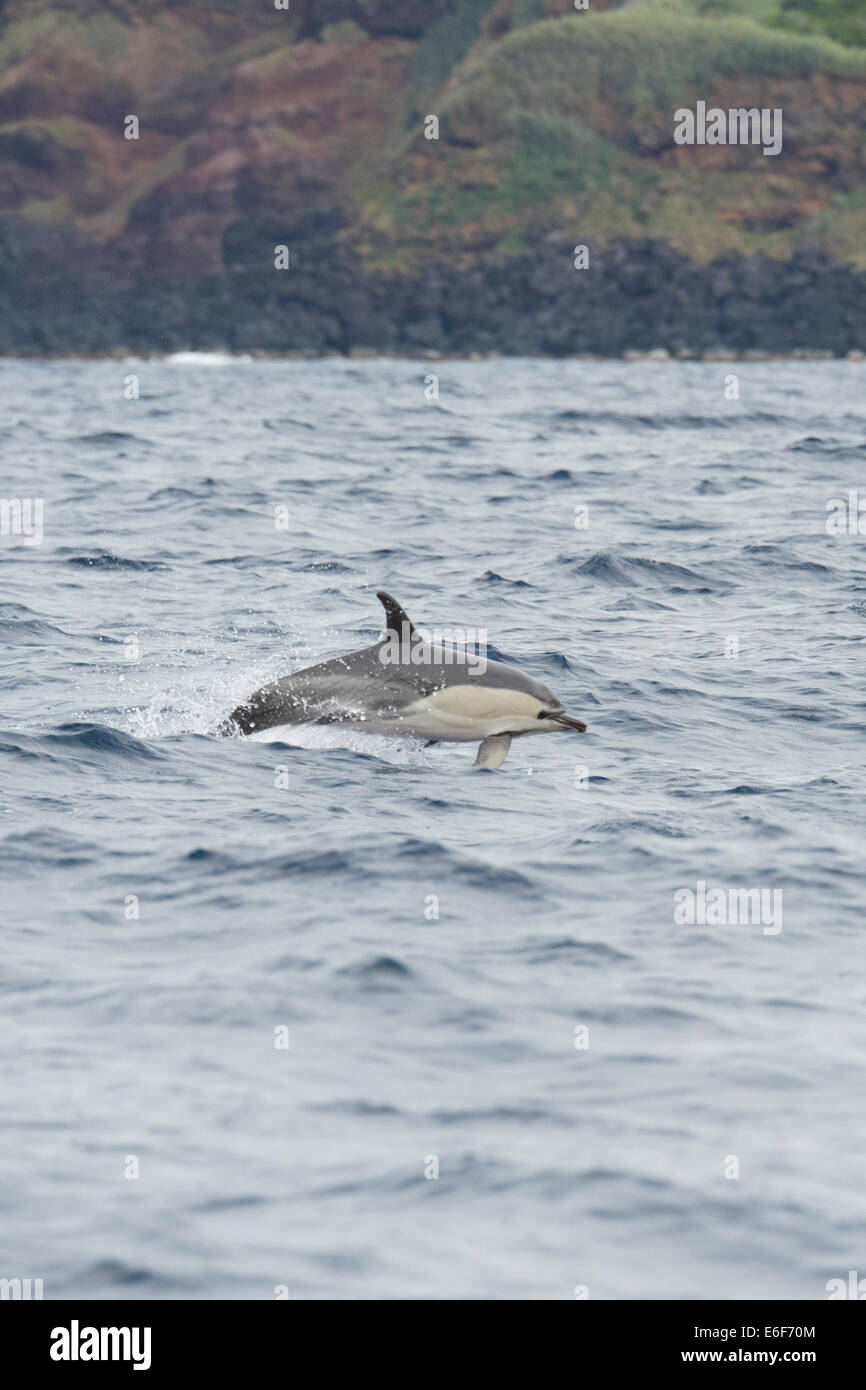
point(104, 559)
point(605, 567)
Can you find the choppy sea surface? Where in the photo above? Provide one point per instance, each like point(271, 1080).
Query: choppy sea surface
point(614, 1100)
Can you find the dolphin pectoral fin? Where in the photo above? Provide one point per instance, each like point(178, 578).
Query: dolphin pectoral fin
point(493, 751)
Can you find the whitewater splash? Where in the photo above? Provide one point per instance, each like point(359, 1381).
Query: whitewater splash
point(192, 703)
point(197, 708)
point(207, 359)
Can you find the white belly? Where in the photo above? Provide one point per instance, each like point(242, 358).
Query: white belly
point(460, 713)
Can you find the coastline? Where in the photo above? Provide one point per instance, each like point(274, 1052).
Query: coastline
point(224, 356)
point(635, 299)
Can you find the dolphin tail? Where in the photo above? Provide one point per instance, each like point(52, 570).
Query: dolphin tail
point(492, 751)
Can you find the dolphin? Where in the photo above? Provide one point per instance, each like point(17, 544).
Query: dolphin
point(410, 686)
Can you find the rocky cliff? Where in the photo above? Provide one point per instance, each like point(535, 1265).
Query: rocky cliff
point(429, 169)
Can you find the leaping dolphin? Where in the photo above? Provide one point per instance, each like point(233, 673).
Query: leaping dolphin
point(409, 686)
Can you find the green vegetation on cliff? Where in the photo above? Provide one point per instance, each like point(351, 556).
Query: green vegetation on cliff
point(547, 120)
point(571, 121)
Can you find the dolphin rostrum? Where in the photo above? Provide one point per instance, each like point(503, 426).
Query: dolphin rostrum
point(411, 686)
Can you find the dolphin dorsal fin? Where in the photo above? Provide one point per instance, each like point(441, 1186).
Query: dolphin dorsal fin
point(395, 617)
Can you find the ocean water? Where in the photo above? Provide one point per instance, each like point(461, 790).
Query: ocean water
point(615, 1100)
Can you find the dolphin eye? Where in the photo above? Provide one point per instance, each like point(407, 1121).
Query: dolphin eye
point(543, 714)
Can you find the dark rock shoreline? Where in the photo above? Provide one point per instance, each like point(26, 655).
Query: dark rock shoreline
point(634, 296)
